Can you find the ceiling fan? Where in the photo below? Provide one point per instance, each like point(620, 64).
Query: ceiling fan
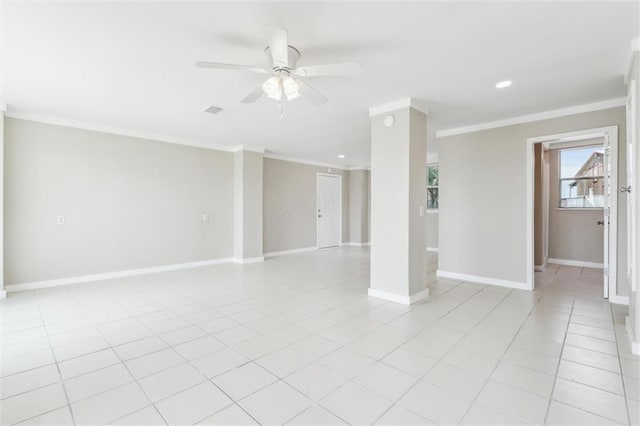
point(286, 80)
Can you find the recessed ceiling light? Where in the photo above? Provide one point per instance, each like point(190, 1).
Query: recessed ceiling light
point(341, 156)
point(503, 84)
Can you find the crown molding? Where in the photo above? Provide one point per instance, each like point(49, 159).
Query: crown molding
point(354, 168)
point(634, 48)
point(562, 112)
point(399, 104)
point(303, 161)
point(77, 124)
point(249, 148)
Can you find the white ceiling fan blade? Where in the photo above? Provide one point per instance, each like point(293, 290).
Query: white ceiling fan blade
point(253, 96)
point(345, 68)
point(278, 46)
point(310, 93)
point(221, 66)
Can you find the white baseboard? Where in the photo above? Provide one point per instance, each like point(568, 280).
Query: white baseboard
point(483, 280)
point(433, 249)
point(35, 285)
point(248, 260)
point(350, 243)
point(578, 263)
point(288, 252)
point(619, 300)
point(635, 346)
point(539, 268)
point(398, 298)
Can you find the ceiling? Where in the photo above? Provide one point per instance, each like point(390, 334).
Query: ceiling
point(131, 66)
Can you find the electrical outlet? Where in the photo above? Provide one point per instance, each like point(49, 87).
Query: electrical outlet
point(205, 217)
point(60, 220)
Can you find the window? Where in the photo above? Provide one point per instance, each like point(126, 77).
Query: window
point(432, 187)
point(582, 177)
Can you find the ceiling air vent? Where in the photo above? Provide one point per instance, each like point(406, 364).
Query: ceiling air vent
point(213, 110)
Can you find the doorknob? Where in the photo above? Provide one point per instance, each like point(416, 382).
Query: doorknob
point(625, 188)
point(601, 222)
point(319, 215)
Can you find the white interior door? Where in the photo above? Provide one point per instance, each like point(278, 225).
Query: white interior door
point(608, 193)
point(631, 204)
point(329, 210)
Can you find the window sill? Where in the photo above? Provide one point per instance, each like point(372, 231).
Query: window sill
point(580, 209)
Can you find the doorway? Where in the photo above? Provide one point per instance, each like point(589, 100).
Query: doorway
point(328, 210)
point(581, 175)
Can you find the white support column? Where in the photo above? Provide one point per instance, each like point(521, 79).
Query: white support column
point(247, 223)
point(398, 202)
point(3, 292)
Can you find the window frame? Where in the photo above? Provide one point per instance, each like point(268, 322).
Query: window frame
point(437, 166)
point(561, 179)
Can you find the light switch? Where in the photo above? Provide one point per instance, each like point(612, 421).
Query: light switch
point(205, 217)
point(285, 216)
point(60, 220)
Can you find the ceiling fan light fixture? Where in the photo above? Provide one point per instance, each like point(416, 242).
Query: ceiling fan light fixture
point(273, 87)
point(291, 87)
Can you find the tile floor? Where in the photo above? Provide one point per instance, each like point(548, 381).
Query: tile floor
point(296, 340)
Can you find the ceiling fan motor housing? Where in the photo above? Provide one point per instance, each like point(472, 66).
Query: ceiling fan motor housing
point(293, 56)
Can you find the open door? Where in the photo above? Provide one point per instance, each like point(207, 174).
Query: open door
point(329, 210)
point(631, 204)
point(609, 193)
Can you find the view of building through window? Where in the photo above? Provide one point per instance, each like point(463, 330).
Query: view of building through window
point(432, 186)
point(582, 177)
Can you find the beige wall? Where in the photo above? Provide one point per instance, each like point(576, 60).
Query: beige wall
point(128, 203)
point(290, 204)
point(432, 230)
point(359, 206)
point(483, 196)
point(248, 175)
point(573, 234)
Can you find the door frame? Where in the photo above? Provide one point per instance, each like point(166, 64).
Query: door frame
point(341, 207)
point(612, 133)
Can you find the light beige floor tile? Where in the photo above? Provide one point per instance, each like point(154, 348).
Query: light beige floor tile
point(315, 381)
point(601, 379)
point(87, 363)
point(111, 405)
point(386, 381)
point(146, 416)
point(30, 404)
point(563, 415)
point(193, 405)
point(97, 381)
point(356, 404)
point(591, 399)
point(232, 415)
point(244, 380)
point(455, 380)
point(435, 404)
point(514, 402)
point(524, 378)
point(398, 415)
point(28, 380)
point(59, 417)
point(170, 381)
point(216, 363)
point(315, 415)
point(275, 404)
point(479, 415)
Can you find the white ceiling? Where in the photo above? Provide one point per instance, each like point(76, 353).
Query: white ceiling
point(131, 66)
